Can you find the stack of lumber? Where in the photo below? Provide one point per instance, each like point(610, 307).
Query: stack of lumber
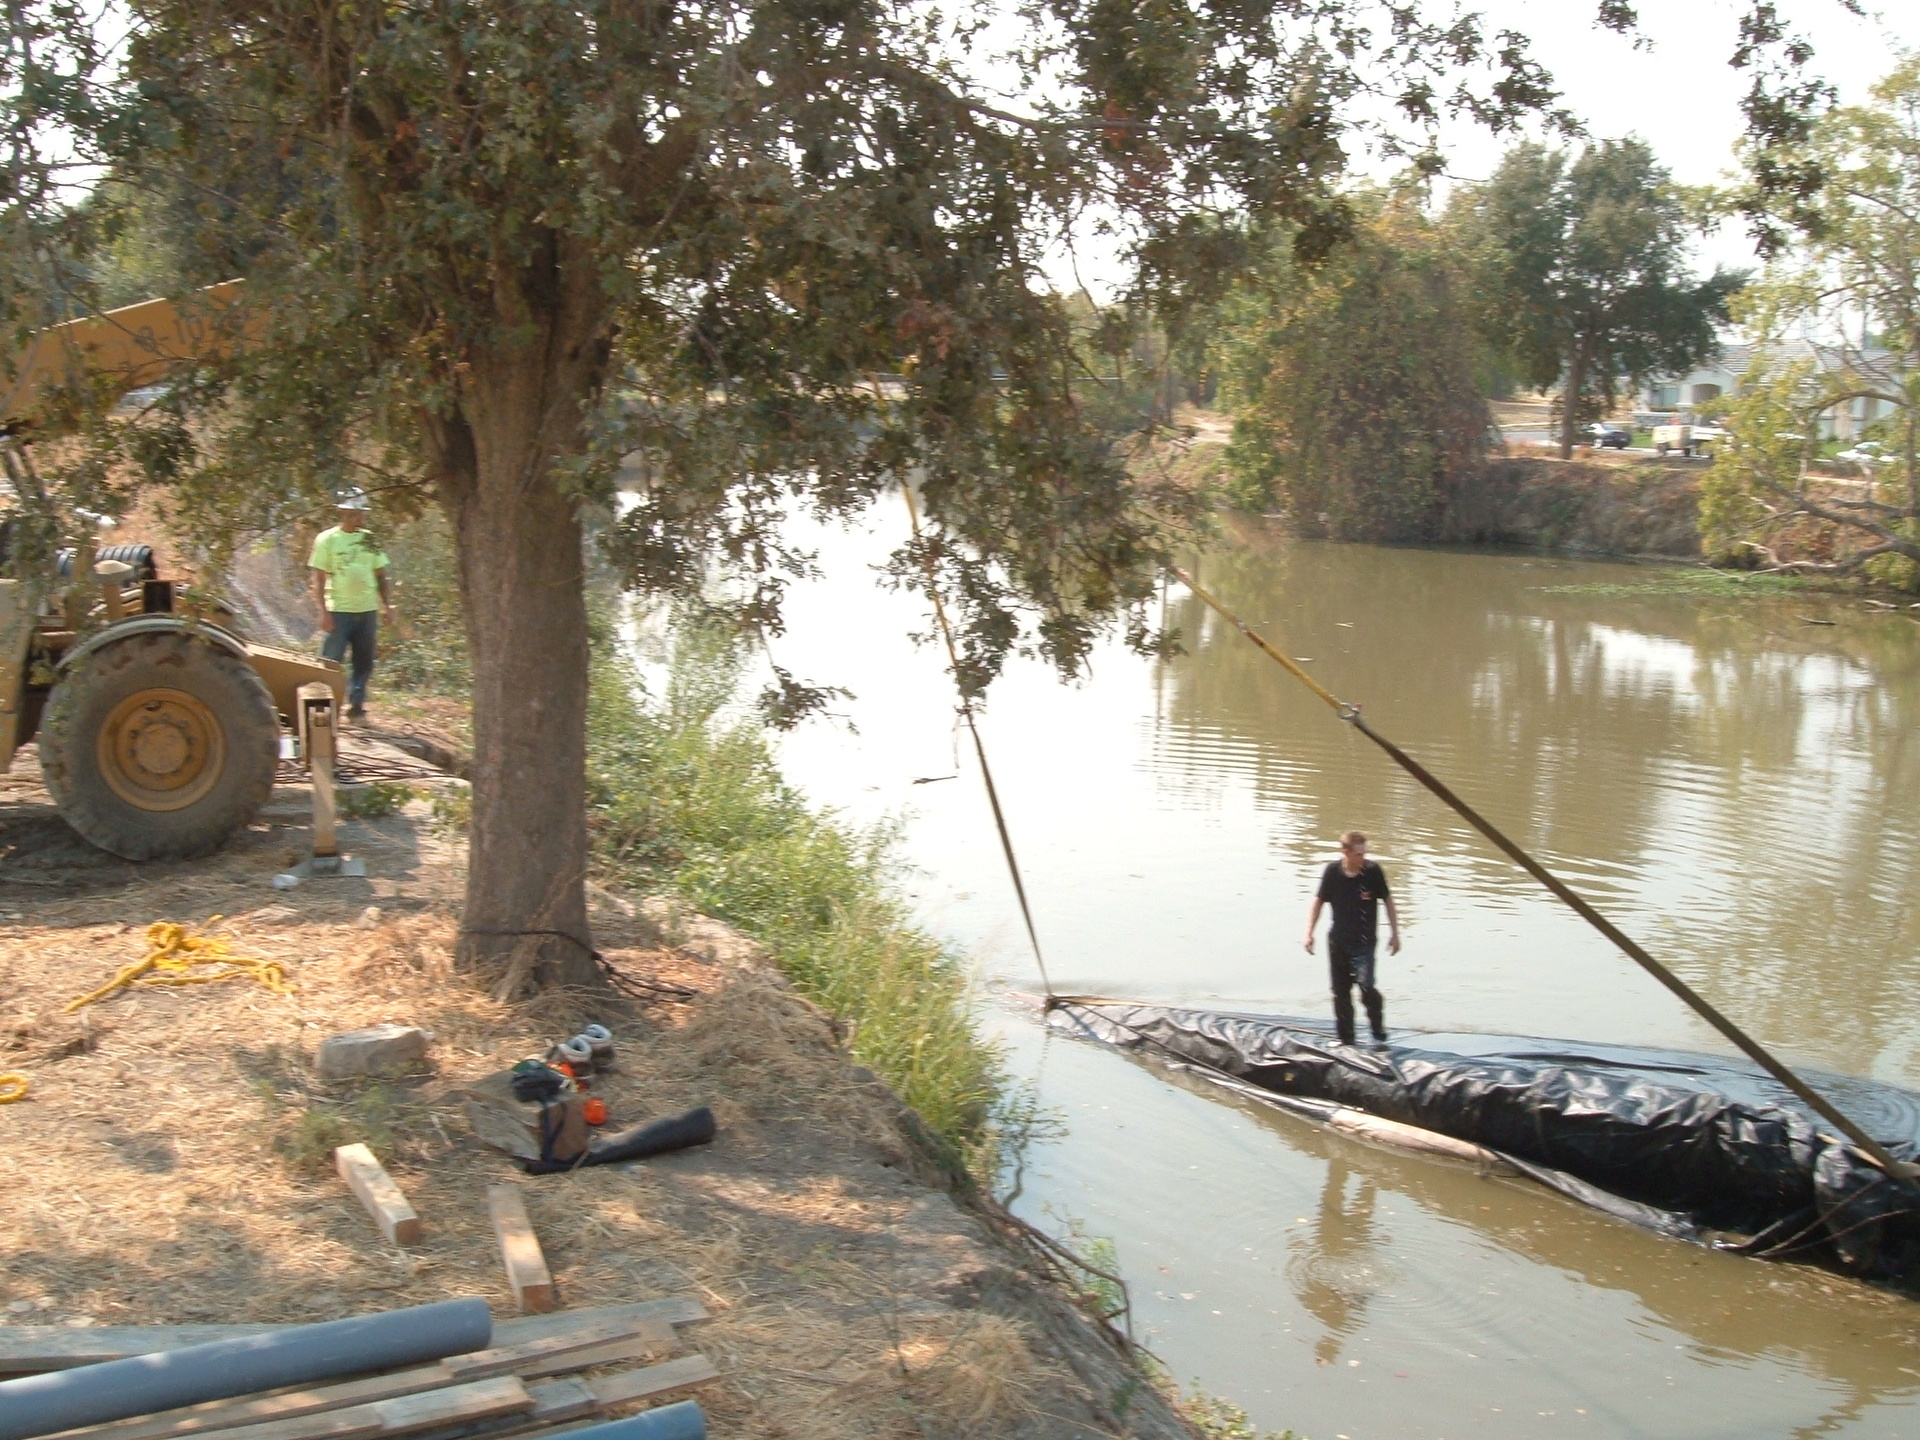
point(543, 1370)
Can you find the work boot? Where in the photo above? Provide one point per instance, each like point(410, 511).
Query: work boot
point(357, 714)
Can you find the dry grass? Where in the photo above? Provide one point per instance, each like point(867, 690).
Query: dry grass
point(972, 1371)
point(173, 1164)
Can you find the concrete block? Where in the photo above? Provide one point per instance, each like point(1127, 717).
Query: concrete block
point(379, 1050)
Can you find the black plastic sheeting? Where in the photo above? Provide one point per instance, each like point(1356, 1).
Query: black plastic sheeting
point(1694, 1146)
point(659, 1137)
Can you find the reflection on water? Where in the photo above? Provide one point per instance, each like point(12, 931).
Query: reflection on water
point(1734, 786)
point(1333, 1268)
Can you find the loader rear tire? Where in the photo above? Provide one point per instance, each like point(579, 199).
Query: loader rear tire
point(160, 746)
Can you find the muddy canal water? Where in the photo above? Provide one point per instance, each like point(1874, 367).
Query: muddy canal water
point(1740, 788)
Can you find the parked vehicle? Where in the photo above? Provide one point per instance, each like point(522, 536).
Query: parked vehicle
point(1689, 440)
point(1865, 454)
point(158, 722)
point(1608, 437)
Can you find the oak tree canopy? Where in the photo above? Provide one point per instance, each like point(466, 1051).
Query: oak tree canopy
point(782, 253)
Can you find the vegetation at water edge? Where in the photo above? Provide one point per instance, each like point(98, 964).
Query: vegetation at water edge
point(684, 797)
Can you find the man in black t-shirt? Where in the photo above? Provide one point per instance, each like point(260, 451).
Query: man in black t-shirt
point(1355, 887)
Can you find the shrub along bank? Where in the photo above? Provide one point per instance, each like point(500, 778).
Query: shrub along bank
point(686, 798)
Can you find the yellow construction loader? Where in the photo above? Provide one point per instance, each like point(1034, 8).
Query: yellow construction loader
point(159, 724)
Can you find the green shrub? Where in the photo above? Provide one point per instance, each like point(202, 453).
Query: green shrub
point(426, 646)
point(372, 800)
point(1218, 1420)
point(686, 798)
point(1357, 409)
point(453, 808)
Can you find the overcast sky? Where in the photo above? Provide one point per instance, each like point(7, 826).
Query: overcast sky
point(1679, 94)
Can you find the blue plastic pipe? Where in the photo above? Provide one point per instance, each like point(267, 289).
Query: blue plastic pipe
point(685, 1421)
point(299, 1355)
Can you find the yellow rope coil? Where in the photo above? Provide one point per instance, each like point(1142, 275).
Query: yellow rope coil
point(177, 956)
point(14, 1086)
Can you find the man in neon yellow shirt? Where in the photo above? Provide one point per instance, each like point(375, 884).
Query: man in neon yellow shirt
point(349, 573)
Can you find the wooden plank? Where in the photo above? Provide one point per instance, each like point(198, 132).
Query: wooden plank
point(656, 1342)
point(674, 1310)
point(33, 1349)
point(654, 1381)
point(520, 1251)
point(409, 1414)
point(571, 1398)
point(572, 1349)
point(562, 1402)
point(403, 1415)
point(217, 1415)
point(355, 1424)
point(375, 1190)
point(559, 1400)
point(597, 1342)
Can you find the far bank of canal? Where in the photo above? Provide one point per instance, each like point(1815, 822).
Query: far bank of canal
point(1733, 784)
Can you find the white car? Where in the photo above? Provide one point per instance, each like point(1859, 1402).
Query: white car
point(1867, 452)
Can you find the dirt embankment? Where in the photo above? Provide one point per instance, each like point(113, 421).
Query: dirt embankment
point(172, 1161)
point(1590, 506)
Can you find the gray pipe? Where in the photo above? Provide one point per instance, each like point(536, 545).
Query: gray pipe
point(685, 1421)
point(141, 1384)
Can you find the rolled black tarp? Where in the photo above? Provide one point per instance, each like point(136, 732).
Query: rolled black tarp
point(140, 557)
point(660, 1137)
point(299, 1355)
point(1694, 1145)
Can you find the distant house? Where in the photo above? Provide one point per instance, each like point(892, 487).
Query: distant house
point(1701, 387)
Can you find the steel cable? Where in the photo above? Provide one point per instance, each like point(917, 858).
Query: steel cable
point(1880, 1155)
point(979, 746)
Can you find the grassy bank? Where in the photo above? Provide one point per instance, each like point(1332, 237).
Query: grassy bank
point(686, 799)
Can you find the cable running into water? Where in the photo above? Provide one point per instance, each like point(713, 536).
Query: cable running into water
point(979, 747)
point(1752, 1048)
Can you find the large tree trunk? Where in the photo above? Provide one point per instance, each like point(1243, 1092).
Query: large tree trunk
point(1570, 399)
point(521, 581)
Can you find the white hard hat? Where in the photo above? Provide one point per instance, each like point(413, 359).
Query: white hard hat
point(352, 500)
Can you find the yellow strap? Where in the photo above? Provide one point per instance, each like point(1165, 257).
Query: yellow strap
point(177, 956)
point(979, 746)
point(13, 1086)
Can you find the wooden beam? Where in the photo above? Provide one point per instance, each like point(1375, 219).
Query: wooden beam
point(403, 1415)
point(375, 1190)
point(562, 1401)
point(559, 1400)
point(571, 1398)
point(674, 1310)
point(655, 1381)
point(598, 1342)
point(656, 1342)
point(520, 1252)
point(32, 1349)
point(572, 1349)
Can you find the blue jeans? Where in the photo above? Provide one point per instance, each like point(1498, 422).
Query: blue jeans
point(1350, 967)
point(358, 629)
